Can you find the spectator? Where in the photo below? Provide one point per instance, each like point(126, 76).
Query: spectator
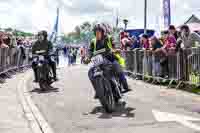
point(172, 31)
point(188, 38)
point(126, 42)
point(70, 56)
point(144, 41)
point(169, 42)
point(135, 43)
point(22, 51)
point(2, 44)
point(6, 39)
point(156, 45)
point(82, 54)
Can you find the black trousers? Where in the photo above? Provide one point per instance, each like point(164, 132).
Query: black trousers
point(51, 63)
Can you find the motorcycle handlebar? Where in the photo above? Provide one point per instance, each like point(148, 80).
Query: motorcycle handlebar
point(36, 56)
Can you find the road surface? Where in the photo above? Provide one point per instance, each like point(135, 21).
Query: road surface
point(153, 109)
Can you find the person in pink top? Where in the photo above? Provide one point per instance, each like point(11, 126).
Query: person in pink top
point(169, 42)
point(144, 41)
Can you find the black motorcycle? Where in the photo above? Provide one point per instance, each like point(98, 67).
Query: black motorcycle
point(106, 84)
point(44, 71)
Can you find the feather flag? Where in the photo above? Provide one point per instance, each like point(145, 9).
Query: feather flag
point(167, 13)
point(55, 29)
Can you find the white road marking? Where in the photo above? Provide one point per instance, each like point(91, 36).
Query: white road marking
point(171, 117)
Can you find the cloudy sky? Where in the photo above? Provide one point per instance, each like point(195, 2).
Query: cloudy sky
point(33, 15)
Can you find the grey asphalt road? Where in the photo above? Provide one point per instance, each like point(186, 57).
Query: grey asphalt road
point(72, 109)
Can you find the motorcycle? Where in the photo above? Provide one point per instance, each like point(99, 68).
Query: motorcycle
point(44, 72)
point(105, 82)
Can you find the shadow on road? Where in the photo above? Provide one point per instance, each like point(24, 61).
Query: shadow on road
point(39, 91)
point(121, 111)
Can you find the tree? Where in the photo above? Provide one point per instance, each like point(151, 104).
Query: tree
point(8, 29)
point(82, 34)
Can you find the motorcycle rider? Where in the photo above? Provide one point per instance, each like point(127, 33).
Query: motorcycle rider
point(43, 44)
point(104, 41)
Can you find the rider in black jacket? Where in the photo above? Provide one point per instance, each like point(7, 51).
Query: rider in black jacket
point(43, 44)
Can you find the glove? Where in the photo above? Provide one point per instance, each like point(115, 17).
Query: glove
point(86, 60)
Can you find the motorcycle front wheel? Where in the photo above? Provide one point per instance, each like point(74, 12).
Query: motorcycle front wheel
point(105, 94)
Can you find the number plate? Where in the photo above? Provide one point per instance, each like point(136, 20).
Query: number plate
point(35, 59)
point(41, 57)
point(52, 58)
point(97, 60)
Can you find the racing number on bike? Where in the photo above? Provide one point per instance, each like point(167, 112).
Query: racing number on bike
point(41, 57)
point(97, 60)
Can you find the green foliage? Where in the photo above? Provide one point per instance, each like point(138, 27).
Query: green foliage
point(24, 34)
point(82, 34)
point(18, 32)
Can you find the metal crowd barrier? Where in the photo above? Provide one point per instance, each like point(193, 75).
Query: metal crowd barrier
point(194, 66)
point(181, 66)
point(12, 59)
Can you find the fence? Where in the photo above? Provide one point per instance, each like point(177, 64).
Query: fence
point(181, 66)
point(12, 59)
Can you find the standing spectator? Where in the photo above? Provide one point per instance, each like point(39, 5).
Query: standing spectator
point(156, 45)
point(82, 54)
point(169, 42)
point(126, 42)
point(2, 44)
point(75, 52)
point(144, 41)
point(22, 51)
point(188, 38)
point(134, 43)
point(65, 52)
point(169, 46)
point(70, 56)
point(172, 31)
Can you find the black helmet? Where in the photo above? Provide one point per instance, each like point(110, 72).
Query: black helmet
point(99, 27)
point(45, 34)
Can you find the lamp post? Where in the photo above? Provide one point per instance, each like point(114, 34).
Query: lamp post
point(145, 16)
point(125, 23)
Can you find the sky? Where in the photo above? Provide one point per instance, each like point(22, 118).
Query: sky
point(34, 15)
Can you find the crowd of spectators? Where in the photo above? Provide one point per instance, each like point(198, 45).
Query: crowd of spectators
point(171, 41)
point(14, 45)
point(8, 40)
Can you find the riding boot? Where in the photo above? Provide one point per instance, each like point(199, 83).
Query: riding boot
point(36, 75)
point(54, 72)
point(93, 84)
point(124, 83)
